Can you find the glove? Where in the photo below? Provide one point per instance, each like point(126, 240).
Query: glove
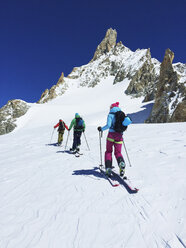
point(99, 129)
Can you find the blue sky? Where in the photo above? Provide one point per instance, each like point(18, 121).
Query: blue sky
point(39, 39)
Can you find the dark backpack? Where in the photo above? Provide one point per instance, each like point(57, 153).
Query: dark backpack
point(118, 126)
point(79, 123)
point(61, 126)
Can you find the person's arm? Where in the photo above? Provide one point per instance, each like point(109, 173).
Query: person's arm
point(57, 125)
point(127, 121)
point(109, 123)
point(72, 124)
point(84, 126)
point(66, 126)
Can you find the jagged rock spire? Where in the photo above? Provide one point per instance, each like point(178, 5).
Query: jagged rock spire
point(166, 89)
point(107, 43)
point(166, 69)
point(51, 93)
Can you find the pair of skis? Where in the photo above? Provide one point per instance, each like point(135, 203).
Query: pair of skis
point(115, 180)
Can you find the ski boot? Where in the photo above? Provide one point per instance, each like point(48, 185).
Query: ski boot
point(122, 168)
point(108, 172)
point(72, 150)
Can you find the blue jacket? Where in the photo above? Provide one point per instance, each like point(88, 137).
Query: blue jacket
point(111, 120)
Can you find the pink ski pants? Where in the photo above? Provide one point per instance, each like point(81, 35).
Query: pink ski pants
point(116, 140)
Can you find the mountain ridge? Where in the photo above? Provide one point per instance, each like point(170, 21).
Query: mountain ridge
point(138, 68)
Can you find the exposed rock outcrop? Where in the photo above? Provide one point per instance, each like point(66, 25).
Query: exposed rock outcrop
point(170, 97)
point(179, 114)
point(143, 82)
point(9, 114)
point(54, 91)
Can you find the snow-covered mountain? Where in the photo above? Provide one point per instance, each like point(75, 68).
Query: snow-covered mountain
point(165, 83)
point(137, 71)
point(52, 199)
point(137, 67)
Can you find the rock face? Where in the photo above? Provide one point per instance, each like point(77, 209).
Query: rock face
point(143, 82)
point(170, 97)
point(9, 114)
point(179, 114)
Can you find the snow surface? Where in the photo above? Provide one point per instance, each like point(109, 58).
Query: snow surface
point(51, 199)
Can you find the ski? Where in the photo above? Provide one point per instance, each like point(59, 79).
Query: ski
point(78, 154)
point(126, 183)
point(110, 179)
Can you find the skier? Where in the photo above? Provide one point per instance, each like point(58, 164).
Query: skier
point(79, 126)
point(61, 129)
point(115, 138)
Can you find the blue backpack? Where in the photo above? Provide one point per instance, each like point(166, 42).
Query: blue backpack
point(79, 123)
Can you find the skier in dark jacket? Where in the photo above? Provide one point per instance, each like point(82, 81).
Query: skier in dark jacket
point(114, 139)
point(61, 129)
point(79, 126)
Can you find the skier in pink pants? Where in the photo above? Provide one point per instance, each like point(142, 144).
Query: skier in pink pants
point(116, 123)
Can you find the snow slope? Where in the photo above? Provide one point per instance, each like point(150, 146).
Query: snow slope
point(51, 199)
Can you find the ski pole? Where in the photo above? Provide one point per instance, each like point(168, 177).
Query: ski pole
point(127, 154)
point(67, 140)
point(86, 141)
point(52, 136)
point(100, 136)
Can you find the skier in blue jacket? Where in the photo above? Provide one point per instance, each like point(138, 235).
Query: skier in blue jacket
point(114, 139)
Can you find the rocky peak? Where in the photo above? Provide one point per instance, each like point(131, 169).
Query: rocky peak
point(107, 43)
point(61, 79)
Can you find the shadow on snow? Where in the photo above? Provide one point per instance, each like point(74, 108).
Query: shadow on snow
point(141, 116)
point(90, 172)
point(96, 173)
point(52, 144)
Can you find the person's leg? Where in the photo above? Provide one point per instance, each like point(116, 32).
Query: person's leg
point(117, 152)
point(108, 152)
point(74, 141)
point(118, 140)
point(60, 137)
point(78, 140)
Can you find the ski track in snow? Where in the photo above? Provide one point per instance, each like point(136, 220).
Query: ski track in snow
point(51, 199)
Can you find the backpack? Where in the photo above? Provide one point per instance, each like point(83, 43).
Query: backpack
point(61, 126)
point(79, 123)
point(118, 126)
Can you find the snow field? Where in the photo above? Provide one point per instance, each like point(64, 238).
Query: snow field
point(51, 199)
